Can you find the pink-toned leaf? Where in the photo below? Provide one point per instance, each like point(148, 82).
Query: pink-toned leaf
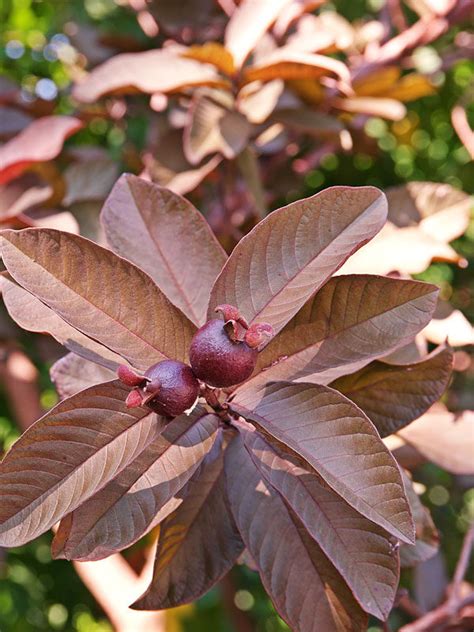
point(213, 128)
point(351, 321)
point(197, 544)
point(392, 396)
point(287, 257)
point(67, 456)
point(42, 140)
point(168, 238)
point(444, 438)
point(427, 537)
point(102, 295)
point(305, 588)
point(249, 22)
point(336, 439)
point(151, 71)
point(289, 65)
point(33, 315)
point(89, 180)
point(257, 101)
point(72, 374)
point(21, 194)
point(390, 109)
point(318, 32)
point(361, 552)
point(143, 494)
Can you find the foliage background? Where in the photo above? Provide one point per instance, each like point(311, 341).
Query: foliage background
point(38, 594)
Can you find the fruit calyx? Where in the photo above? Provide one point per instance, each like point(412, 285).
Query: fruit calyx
point(169, 388)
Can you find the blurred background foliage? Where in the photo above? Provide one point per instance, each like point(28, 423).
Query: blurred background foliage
point(36, 50)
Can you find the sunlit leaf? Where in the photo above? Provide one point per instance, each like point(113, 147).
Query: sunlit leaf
point(142, 495)
point(166, 237)
point(336, 439)
point(305, 588)
point(67, 456)
point(362, 552)
point(390, 109)
point(288, 64)
point(212, 53)
point(287, 257)
point(257, 101)
point(351, 321)
point(98, 293)
point(197, 544)
point(411, 87)
point(33, 315)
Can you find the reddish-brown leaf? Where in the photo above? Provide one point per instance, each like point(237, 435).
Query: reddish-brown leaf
point(288, 256)
point(335, 438)
point(21, 194)
point(290, 65)
point(213, 128)
point(168, 238)
point(305, 588)
point(197, 544)
point(72, 374)
point(150, 72)
point(142, 495)
point(89, 180)
point(42, 140)
point(33, 315)
point(427, 537)
point(351, 321)
point(67, 456)
point(361, 552)
point(392, 396)
point(100, 294)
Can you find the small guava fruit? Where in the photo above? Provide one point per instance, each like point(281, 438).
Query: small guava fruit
point(224, 353)
point(169, 388)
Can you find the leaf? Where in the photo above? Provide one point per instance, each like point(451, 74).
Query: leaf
point(71, 374)
point(377, 82)
point(407, 250)
point(21, 194)
point(150, 71)
point(142, 495)
point(411, 87)
point(257, 101)
point(197, 544)
point(440, 210)
point(89, 181)
point(249, 22)
point(213, 128)
point(309, 121)
point(444, 438)
point(351, 321)
point(212, 53)
point(336, 439)
point(42, 140)
point(361, 552)
point(290, 65)
point(305, 588)
point(114, 302)
point(453, 327)
point(67, 456)
point(427, 537)
point(33, 315)
point(168, 238)
point(371, 106)
point(392, 396)
point(288, 256)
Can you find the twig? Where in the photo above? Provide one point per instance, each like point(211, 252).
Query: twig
point(454, 604)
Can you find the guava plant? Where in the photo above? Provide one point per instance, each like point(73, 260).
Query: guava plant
point(238, 402)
